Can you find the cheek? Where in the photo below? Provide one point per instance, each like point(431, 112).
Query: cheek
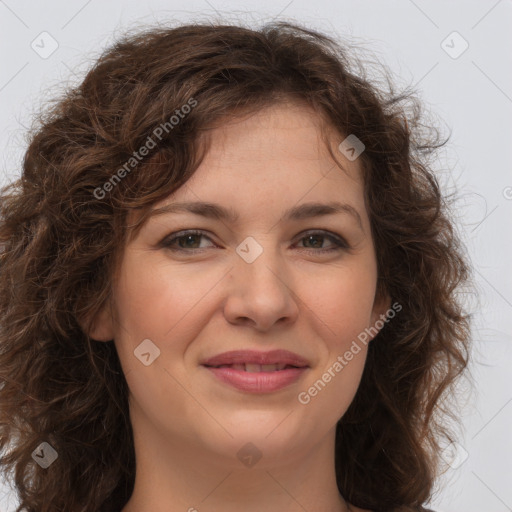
point(168, 305)
point(330, 391)
point(342, 307)
point(156, 299)
point(341, 300)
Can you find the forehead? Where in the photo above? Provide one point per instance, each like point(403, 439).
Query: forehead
point(293, 128)
point(272, 157)
point(283, 145)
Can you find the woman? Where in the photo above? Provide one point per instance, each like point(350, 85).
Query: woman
point(228, 283)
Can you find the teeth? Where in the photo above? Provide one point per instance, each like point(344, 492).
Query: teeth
point(255, 368)
point(264, 367)
point(272, 367)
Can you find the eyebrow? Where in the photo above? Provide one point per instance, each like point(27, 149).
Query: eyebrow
point(300, 212)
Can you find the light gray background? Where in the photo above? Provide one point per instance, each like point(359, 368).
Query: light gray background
point(472, 94)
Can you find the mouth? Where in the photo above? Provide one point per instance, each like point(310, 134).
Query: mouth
point(257, 372)
point(255, 368)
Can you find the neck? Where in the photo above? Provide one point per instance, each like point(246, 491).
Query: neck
point(180, 475)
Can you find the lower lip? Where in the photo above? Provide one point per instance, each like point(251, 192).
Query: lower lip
point(258, 382)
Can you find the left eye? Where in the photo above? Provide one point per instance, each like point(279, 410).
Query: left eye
point(187, 241)
point(337, 243)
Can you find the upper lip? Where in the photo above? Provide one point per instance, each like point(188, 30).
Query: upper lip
point(255, 357)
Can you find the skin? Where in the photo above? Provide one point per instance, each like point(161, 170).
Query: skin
point(188, 426)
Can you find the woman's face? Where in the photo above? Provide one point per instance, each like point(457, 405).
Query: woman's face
point(263, 281)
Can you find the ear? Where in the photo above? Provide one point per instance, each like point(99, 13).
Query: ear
point(100, 327)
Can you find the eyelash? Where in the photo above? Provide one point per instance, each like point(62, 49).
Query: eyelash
point(339, 243)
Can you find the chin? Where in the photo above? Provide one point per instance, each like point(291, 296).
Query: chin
point(275, 433)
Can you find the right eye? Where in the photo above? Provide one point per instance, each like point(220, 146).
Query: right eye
point(185, 240)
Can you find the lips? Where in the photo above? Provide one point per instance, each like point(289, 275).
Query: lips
point(253, 361)
point(256, 372)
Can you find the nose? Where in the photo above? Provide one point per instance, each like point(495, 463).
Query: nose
point(260, 294)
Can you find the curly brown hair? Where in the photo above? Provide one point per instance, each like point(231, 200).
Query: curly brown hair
point(63, 229)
